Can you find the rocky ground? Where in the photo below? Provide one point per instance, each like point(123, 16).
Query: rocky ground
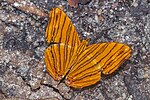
point(22, 43)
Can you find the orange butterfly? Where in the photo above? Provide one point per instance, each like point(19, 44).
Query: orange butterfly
point(74, 61)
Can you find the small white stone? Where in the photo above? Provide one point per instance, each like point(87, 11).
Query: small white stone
point(130, 98)
point(23, 2)
point(96, 19)
point(124, 95)
point(16, 4)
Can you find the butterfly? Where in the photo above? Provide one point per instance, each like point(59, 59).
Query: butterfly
point(74, 61)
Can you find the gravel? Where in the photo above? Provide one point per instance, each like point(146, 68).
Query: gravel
point(22, 43)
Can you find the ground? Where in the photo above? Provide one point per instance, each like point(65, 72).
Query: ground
point(22, 43)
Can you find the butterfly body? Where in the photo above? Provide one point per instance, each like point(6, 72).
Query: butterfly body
point(78, 63)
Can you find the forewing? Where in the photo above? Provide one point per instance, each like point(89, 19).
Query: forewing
point(60, 29)
point(115, 57)
point(57, 58)
point(96, 58)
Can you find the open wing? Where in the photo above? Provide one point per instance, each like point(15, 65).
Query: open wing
point(62, 33)
point(60, 29)
point(96, 58)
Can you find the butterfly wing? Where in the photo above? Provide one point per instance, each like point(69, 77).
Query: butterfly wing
point(96, 58)
point(119, 54)
point(62, 33)
point(60, 29)
point(57, 58)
